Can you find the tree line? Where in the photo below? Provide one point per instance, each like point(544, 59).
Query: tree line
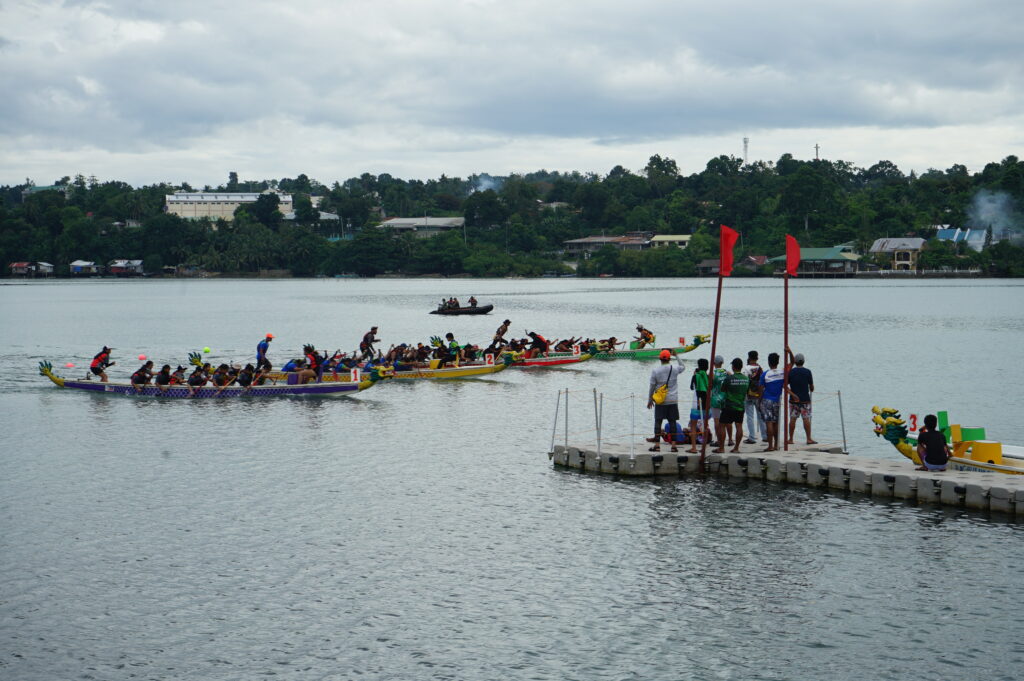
point(516, 225)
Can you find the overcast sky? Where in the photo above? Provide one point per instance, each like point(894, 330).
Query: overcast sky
point(188, 91)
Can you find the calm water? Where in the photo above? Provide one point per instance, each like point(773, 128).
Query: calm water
point(418, 531)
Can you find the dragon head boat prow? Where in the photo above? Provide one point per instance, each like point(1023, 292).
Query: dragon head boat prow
point(971, 450)
point(46, 369)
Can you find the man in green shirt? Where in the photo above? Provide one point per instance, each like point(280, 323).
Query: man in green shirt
point(718, 377)
point(734, 396)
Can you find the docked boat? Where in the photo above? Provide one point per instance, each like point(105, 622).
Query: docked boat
point(972, 451)
point(482, 309)
point(179, 391)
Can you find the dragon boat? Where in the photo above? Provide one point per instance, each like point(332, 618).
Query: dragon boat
point(971, 450)
point(182, 391)
point(408, 372)
point(651, 352)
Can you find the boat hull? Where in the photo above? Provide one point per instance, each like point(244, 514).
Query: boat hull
point(483, 309)
point(468, 371)
point(207, 392)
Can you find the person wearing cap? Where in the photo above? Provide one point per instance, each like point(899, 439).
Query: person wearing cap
point(261, 352)
point(799, 387)
point(178, 376)
point(718, 376)
point(771, 394)
point(666, 373)
point(100, 363)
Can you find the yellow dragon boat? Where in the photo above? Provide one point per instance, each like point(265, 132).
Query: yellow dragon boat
point(972, 451)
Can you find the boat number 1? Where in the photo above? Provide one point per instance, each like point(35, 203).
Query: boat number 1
point(912, 423)
point(354, 375)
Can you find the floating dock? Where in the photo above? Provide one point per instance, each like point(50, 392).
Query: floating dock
point(821, 465)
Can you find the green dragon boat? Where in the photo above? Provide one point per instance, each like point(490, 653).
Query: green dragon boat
point(650, 352)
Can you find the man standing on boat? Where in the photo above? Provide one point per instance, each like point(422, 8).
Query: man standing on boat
point(667, 373)
point(261, 353)
point(366, 346)
point(100, 363)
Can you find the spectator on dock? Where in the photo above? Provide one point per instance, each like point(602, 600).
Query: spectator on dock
point(699, 412)
point(800, 387)
point(771, 393)
point(718, 377)
point(932, 447)
point(667, 373)
point(734, 394)
point(751, 406)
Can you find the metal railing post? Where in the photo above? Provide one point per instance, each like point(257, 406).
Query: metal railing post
point(554, 426)
point(566, 419)
point(842, 422)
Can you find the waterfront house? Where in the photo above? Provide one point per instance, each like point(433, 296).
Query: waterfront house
point(83, 268)
point(836, 261)
point(125, 268)
point(631, 241)
point(972, 238)
point(26, 268)
point(665, 240)
point(904, 251)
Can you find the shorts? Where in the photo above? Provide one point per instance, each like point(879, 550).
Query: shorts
point(769, 411)
point(716, 413)
point(731, 416)
point(799, 409)
point(666, 412)
point(96, 370)
point(264, 364)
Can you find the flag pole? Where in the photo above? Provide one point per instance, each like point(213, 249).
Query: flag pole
point(785, 364)
point(711, 371)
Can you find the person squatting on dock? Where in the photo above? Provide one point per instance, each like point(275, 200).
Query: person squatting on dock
point(665, 374)
point(932, 447)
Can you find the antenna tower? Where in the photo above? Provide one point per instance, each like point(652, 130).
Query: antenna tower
point(746, 141)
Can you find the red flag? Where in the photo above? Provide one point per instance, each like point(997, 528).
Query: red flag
point(792, 256)
point(727, 239)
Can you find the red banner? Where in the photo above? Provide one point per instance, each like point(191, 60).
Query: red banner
point(727, 239)
point(792, 256)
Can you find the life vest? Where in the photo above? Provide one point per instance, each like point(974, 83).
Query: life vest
point(313, 360)
point(100, 360)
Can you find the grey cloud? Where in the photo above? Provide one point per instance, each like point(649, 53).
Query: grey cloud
point(609, 71)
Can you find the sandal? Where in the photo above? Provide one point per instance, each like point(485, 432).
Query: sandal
point(653, 439)
point(655, 448)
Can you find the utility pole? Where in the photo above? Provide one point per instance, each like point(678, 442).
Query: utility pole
point(816, 148)
point(746, 141)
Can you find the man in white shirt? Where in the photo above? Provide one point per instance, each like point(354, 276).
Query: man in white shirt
point(667, 373)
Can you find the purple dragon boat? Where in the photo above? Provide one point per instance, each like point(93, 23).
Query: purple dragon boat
point(182, 391)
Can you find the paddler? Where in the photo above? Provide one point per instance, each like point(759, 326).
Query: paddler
point(163, 378)
point(100, 362)
point(538, 346)
point(645, 338)
point(142, 376)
